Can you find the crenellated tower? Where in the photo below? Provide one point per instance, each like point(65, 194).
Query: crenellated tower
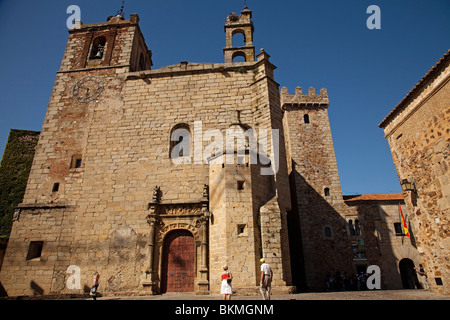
point(317, 203)
point(306, 117)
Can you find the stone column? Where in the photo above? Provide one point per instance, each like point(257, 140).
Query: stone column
point(203, 283)
point(148, 280)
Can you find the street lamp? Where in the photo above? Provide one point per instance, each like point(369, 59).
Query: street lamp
point(407, 186)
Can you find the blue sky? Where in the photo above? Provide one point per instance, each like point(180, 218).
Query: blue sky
point(320, 44)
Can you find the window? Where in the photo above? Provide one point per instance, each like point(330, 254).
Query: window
point(241, 229)
point(351, 228)
point(359, 250)
point(398, 229)
point(55, 187)
point(180, 143)
point(327, 192)
point(327, 231)
point(357, 228)
point(306, 118)
point(354, 228)
point(98, 48)
point(75, 163)
point(240, 185)
point(238, 39)
point(35, 250)
point(239, 56)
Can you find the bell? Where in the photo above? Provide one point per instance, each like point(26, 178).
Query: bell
point(99, 54)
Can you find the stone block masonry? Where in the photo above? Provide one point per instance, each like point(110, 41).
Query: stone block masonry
point(109, 191)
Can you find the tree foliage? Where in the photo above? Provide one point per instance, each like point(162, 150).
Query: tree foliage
point(14, 171)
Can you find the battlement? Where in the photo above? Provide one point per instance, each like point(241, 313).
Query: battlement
point(300, 98)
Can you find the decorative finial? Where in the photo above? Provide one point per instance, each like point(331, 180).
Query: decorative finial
point(120, 12)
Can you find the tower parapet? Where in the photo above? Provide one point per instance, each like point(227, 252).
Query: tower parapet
point(299, 98)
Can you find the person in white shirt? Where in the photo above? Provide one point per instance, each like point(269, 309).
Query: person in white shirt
point(266, 279)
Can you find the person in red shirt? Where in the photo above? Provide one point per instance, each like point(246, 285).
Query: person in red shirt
point(226, 289)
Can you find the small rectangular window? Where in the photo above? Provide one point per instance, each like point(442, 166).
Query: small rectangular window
point(398, 229)
point(240, 185)
point(76, 161)
point(35, 250)
point(306, 118)
point(55, 187)
point(241, 229)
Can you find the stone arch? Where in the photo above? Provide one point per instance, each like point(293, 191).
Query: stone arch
point(408, 274)
point(178, 226)
point(239, 54)
point(235, 34)
point(98, 47)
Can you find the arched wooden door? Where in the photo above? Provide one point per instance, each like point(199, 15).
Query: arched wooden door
point(178, 263)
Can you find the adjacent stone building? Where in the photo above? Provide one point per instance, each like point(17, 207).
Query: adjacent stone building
point(418, 132)
point(158, 178)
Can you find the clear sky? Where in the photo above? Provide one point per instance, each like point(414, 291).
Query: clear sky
point(320, 44)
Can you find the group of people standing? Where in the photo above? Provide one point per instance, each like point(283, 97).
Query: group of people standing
point(343, 282)
point(265, 281)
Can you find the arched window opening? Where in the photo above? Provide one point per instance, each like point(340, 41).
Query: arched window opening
point(239, 57)
point(239, 39)
point(327, 192)
point(98, 48)
point(180, 144)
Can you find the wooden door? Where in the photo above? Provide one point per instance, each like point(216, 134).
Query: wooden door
point(177, 273)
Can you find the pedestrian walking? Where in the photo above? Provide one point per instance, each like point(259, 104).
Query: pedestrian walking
point(226, 289)
point(423, 278)
point(266, 279)
point(95, 285)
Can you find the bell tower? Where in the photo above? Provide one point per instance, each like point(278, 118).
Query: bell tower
point(239, 25)
point(116, 43)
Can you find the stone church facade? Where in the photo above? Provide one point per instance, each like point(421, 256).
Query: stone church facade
point(118, 185)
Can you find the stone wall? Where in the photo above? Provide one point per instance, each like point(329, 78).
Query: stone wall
point(384, 246)
point(419, 137)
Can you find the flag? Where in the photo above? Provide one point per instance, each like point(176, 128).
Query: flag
point(405, 227)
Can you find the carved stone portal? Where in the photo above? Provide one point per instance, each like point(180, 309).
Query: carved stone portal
point(165, 218)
